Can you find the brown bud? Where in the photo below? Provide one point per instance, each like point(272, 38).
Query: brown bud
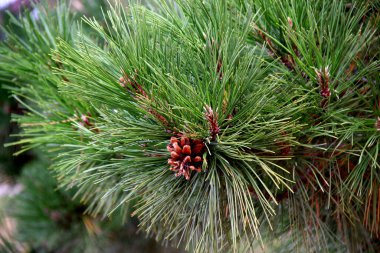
point(187, 159)
point(184, 141)
point(197, 159)
point(177, 148)
point(173, 163)
point(174, 155)
point(186, 150)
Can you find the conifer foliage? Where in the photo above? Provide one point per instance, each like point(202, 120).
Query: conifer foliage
point(267, 112)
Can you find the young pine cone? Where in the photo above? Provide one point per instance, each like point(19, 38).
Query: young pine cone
point(186, 155)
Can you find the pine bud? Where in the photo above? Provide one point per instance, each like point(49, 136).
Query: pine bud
point(186, 150)
point(212, 118)
point(323, 77)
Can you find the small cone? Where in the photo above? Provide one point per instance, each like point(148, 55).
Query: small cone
point(186, 156)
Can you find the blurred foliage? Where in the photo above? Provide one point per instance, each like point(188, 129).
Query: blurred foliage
point(49, 220)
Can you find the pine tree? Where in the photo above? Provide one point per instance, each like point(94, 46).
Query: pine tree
point(222, 124)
